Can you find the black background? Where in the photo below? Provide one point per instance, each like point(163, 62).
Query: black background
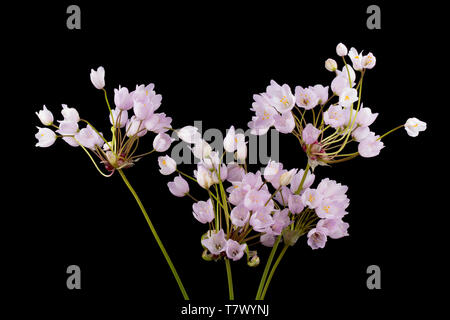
point(207, 60)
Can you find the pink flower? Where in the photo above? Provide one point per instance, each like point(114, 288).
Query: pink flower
point(370, 146)
point(281, 97)
point(158, 122)
point(280, 221)
point(88, 138)
point(263, 119)
point(334, 116)
point(235, 172)
point(321, 93)
point(98, 77)
point(203, 211)
point(295, 203)
point(334, 228)
point(311, 198)
point(267, 239)
point(273, 171)
point(306, 97)
point(116, 121)
point(365, 117)
point(234, 250)
point(261, 220)
point(310, 134)
point(178, 187)
point(295, 182)
point(317, 238)
point(284, 123)
point(256, 199)
point(122, 98)
point(215, 242)
point(239, 215)
point(162, 142)
point(46, 137)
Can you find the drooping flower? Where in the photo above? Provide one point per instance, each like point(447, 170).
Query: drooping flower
point(162, 142)
point(215, 242)
point(201, 150)
point(310, 134)
point(295, 203)
point(135, 127)
point(365, 117)
point(413, 126)
point(203, 211)
point(267, 239)
point(286, 177)
point(297, 178)
point(189, 134)
point(46, 137)
point(45, 116)
point(284, 123)
point(360, 133)
point(98, 77)
point(66, 129)
point(235, 250)
point(178, 187)
point(158, 122)
point(261, 220)
point(167, 165)
point(334, 228)
point(370, 146)
point(70, 114)
point(317, 238)
point(119, 118)
point(88, 138)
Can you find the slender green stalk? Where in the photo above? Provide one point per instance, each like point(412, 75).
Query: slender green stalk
point(230, 279)
point(155, 234)
point(266, 269)
point(277, 262)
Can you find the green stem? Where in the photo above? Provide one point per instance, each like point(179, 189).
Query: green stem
point(266, 269)
point(161, 246)
point(389, 132)
point(230, 279)
point(277, 262)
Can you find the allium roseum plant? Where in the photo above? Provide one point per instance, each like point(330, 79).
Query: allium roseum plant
point(119, 151)
point(276, 205)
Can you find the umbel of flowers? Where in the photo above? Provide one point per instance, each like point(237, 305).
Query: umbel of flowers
point(135, 114)
point(275, 205)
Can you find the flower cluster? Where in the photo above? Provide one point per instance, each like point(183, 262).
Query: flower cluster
point(326, 124)
point(119, 151)
point(242, 206)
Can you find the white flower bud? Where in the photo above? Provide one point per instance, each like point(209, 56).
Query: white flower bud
point(45, 116)
point(331, 65)
point(341, 50)
point(98, 78)
point(286, 177)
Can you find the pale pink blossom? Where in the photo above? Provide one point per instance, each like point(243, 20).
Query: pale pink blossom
point(413, 126)
point(162, 142)
point(334, 116)
point(239, 215)
point(215, 242)
point(306, 97)
point(203, 211)
point(334, 228)
point(45, 116)
point(295, 203)
point(281, 97)
point(234, 250)
point(46, 137)
point(317, 238)
point(370, 146)
point(341, 50)
point(310, 134)
point(284, 123)
point(167, 165)
point(122, 99)
point(98, 77)
point(178, 187)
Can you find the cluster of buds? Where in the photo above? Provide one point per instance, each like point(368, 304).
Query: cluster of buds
point(326, 124)
point(119, 152)
point(242, 207)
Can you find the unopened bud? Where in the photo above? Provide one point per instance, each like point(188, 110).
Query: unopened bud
point(331, 65)
point(254, 261)
point(341, 50)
